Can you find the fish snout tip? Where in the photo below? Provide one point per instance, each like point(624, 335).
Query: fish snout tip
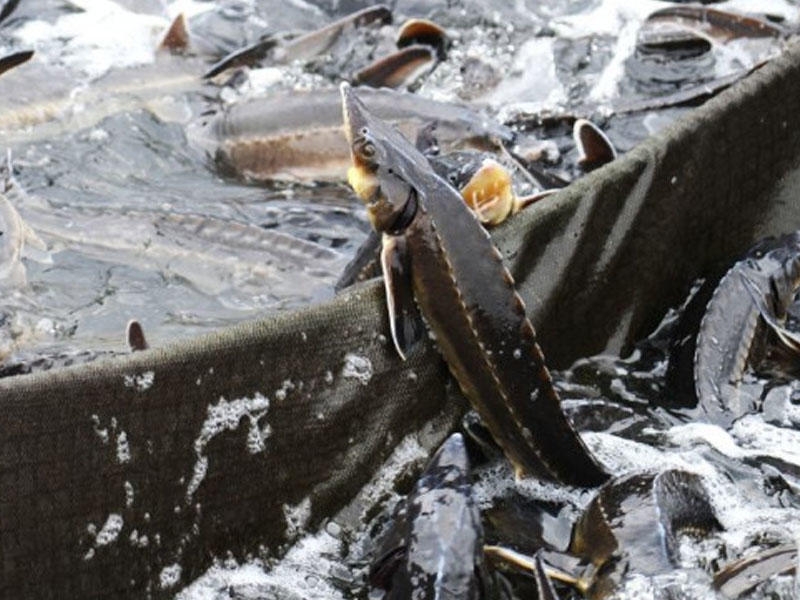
point(353, 111)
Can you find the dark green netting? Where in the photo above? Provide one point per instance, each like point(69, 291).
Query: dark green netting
point(115, 476)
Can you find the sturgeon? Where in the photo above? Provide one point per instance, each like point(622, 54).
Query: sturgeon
point(434, 548)
point(750, 301)
point(299, 136)
point(436, 256)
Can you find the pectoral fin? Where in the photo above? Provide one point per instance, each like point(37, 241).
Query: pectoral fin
point(365, 265)
point(593, 145)
point(405, 321)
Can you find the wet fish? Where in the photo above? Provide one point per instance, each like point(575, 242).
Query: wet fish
point(633, 525)
point(302, 47)
point(299, 136)
point(732, 335)
point(22, 362)
point(58, 106)
point(10, 61)
point(399, 69)
point(741, 576)
point(689, 96)
point(435, 547)
point(438, 257)
point(718, 25)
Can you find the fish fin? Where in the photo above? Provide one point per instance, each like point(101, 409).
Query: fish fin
point(522, 202)
point(134, 335)
point(740, 576)
point(594, 146)
point(176, 39)
point(7, 9)
point(789, 339)
point(399, 69)
point(405, 321)
point(248, 56)
point(365, 264)
point(13, 60)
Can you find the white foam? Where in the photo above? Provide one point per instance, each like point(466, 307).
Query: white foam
point(297, 517)
point(189, 8)
point(303, 572)
point(123, 448)
point(170, 576)
point(101, 37)
point(357, 367)
point(531, 82)
point(225, 416)
point(141, 382)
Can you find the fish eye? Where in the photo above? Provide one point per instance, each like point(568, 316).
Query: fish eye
point(368, 149)
point(365, 149)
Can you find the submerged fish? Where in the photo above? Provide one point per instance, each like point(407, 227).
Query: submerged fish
point(438, 257)
point(214, 255)
point(17, 239)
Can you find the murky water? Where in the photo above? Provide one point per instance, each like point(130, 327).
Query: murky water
point(140, 224)
point(102, 153)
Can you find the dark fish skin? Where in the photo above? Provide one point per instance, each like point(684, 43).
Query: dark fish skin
point(14, 60)
point(397, 69)
point(469, 302)
point(8, 8)
point(633, 523)
point(732, 332)
point(436, 549)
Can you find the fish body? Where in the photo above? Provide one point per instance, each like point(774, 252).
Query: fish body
point(435, 548)
point(633, 525)
point(213, 254)
point(434, 244)
point(299, 136)
point(732, 333)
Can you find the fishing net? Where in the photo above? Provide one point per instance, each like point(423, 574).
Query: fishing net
point(128, 476)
